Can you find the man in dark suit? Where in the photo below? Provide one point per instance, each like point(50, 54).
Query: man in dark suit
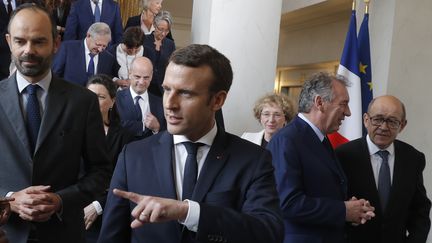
point(82, 15)
point(5, 55)
point(78, 60)
point(140, 112)
point(234, 199)
point(50, 131)
point(389, 173)
point(311, 183)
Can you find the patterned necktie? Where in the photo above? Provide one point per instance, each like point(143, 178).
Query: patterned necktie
point(384, 180)
point(191, 169)
point(97, 13)
point(33, 115)
point(138, 108)
point(91, 66)
point(9, 7)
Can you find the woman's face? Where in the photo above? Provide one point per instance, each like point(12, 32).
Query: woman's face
point(155, 6)
point(105, 101)
point(272, 118)
point(131, 50)
point(161, 30)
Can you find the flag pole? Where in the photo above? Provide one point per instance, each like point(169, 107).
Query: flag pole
point(366, 6)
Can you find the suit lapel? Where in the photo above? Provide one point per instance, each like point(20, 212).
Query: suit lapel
point(55, 102)
point(215, 161)
point(164, 165)
point(10, 103)
point(130, 104)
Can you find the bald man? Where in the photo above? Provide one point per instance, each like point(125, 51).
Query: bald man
point(140, 112)
point(388, 172)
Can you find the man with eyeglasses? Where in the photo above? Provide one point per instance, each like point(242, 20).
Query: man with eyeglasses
point(388, 172)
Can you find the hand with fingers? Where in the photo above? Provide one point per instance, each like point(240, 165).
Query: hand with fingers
point(90, 215)
point(35, 203)
point(154, 209)
point(151, 122)
point(359, 211)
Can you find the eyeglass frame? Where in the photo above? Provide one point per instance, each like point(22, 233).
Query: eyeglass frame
point(276, 115)
point(162, 31)
point(378, 120)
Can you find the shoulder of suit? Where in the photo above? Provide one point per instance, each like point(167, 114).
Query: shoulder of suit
point(405, 147)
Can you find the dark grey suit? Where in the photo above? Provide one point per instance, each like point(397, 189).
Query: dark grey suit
point(70, 139)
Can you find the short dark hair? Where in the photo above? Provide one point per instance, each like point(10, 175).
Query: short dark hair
point(196, 55)
point(106, 81)
point(133, 37)
point(34, 7)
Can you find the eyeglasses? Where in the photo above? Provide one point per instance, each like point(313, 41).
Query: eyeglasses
point(276, 115)
point(391, 122)
point(161, 30)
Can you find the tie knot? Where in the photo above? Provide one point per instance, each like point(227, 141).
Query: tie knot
point(137, 98)
point(95, 2)
point(91, 55)
point(191, 147)
point(32, 89)
point(383, 154)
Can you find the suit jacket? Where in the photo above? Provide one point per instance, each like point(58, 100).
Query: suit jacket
point(70, 135)
point(408, 207)
point(162, 57)
point(129, 117)
point(254, 137)
point(136, 21)
point(311, 185)
point(81, 17)
point(235, 190)
point(70, 63)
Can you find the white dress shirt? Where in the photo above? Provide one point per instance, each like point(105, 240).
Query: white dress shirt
point(180, 155)
point(87, 57)
point(143, 102)
point(92, 5)
point(376, 160)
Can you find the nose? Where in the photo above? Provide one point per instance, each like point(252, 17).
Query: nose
point(347, 111)
point(29, 48)
point(170, 101)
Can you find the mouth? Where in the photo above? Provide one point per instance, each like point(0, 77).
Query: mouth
point(172, 119)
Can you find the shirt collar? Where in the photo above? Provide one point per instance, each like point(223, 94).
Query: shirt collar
point(86, 49)
point(373, 149)
point(144, 95)
point(44, 83)
point(206, 139)
point(314, 128)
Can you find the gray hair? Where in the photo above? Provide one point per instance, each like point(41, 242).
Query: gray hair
point(319, 84)
point(146, 3)
point(99, 29)
point(163, 16)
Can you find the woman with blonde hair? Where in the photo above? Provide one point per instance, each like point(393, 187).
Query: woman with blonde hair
point(273, 111)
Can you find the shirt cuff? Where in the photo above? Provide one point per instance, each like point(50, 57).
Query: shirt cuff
point(192, 217)
point(98, 207)
point(9, 194)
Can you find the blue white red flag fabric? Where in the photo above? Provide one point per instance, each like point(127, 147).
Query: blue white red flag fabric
point(351, 127)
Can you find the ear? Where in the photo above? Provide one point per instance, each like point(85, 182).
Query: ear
point(56, 43)
point(8, 39)
point(403, 125)
point(218, 100)
point(365, 119)
point(319, 103)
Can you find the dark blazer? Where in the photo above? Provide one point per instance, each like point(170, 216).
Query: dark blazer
point(69, 136)
point(136, 21)
point(235, 190)
point(5, 54)
point(129, 117)
point(162, 57)
point(311, 185)
point(70, 64)
point(81, 17)
point(408, 207)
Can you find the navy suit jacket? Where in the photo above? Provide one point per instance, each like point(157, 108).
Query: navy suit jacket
point(311, 185)
point(129, 117)
point(162, 57)
point(81, 17)
point(408, 207)
point(235, 190)
point(70, 64)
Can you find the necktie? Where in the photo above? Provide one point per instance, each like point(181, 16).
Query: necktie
point(191, 169)
point(138, 108)
point(384, 180)
point(33, 115)
point(328, 146)
point(91, 66)
point(97, 13)
point(9, 7)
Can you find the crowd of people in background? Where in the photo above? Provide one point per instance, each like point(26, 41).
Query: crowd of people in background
point(110, 134)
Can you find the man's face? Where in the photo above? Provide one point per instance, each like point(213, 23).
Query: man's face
point(31, 43)
point(188, 105)
point(334, 111)
point(97, 43)
point(384, 121)
point(140, 75)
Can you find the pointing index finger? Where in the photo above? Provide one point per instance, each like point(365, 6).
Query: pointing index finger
point(127, 195)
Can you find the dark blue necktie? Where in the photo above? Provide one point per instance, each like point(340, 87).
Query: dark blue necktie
point(9, 7)
point(384, 180)
point(97, 13)
point(138, 108)
point(33, 115)
point(91, 66)
point(191, 169)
